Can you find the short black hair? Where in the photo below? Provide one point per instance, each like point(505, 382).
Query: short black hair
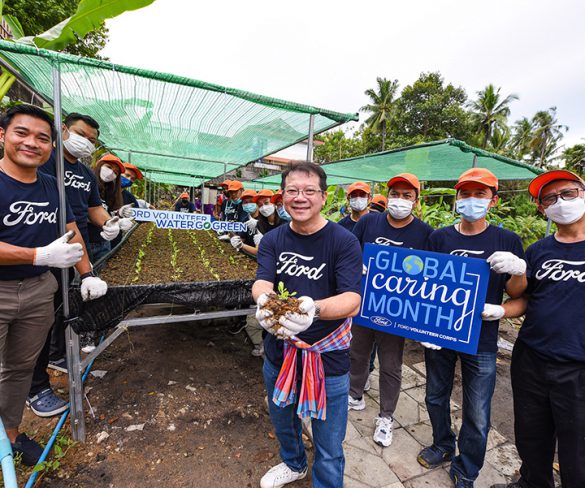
point(74, 117)
point(30, 110)
point(309, 168)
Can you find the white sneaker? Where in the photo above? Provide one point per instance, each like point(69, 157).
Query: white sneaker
point(353, 404)
point(367, 386)
point(280, 475)
point(383, 433)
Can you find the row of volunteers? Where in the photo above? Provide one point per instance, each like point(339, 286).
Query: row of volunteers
point(314, 367)
point(32, 253)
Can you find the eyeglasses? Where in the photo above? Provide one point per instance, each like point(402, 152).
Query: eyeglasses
point(292, 192)
point(569, 194)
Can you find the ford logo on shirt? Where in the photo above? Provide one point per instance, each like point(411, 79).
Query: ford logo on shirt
point(381, 321)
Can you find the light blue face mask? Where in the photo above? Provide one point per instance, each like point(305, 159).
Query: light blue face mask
point(283, 214)
point(249, 207)
point(473, 209)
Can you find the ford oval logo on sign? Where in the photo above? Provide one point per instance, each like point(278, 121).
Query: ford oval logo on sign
point(381, 321)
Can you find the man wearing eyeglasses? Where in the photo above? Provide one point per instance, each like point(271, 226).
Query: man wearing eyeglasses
point(321, 262)
point(548, 361)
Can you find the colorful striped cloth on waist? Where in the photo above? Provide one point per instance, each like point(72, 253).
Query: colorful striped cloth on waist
point(312, 400)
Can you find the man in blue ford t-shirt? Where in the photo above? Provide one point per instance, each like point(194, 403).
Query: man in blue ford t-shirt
point(29, 245)
point(473, 237)
point(548, 361)
point(321, 262)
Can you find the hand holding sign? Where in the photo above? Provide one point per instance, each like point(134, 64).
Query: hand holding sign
point(492, 312)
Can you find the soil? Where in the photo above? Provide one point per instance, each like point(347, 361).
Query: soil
point(280, 307)
point(153, 256)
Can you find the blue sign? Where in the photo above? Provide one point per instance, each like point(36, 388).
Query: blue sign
point(425, 296)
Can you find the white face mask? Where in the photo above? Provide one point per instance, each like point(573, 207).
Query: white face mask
point(107, 175)
point(399, 208)
point(78, 146)
point(358, 203)
point(267, 210)
point(566, 212)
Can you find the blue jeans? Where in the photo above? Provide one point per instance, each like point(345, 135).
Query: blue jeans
point(479, 380)
point(328, 435)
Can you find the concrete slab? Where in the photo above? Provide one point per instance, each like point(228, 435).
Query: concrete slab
point(401, 456)
point(489, 476)
point(351, 483)
point(351, 432)
point(409, 411)
point(505, 458)
point(366, 444)
point(422, 432)
point(437, 478)
point(420, 368)
point(418, 393)
point(410, 378)
point(367, 468)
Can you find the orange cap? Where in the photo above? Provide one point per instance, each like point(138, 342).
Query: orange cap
point(110, 158)
point(249, 193)
point(235, 185)
point(184, 195)
point(277, 196)
point(135, 169)
point(380, 200)
point(409, 178)
point(536, 185)
point(225, 183)
point(263, 194)
point(359, 185)
point(478, 175)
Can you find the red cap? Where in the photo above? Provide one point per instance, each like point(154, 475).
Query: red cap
point(359, 185)
point(478, 175)
point(110, 158)
point(263, 194)
point(380, 200)
point(536, 185)
point(409, 178)
point(135, 169)
point(225, 183)
point(249, 193)
point(277, 196)
point(184, 195)
point(235, 186)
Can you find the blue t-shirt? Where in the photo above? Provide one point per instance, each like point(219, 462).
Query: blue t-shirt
point(348, 223)
point(234, 212)
point(128, 198)
point(29, 214)
point(447, 240)
point(320, 265)
point(375, 228)
point(81, 189)
point(554, 326)
point(187, 207)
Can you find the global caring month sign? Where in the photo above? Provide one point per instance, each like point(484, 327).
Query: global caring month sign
point(424, 296)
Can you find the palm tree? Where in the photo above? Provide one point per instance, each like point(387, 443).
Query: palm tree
point(381, 106)
point(490, 112)
point(521, 138)
point(547, 134)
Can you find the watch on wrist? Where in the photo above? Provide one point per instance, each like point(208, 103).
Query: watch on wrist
point(87, 275)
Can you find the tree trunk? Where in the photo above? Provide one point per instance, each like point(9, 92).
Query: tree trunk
point(383, 135)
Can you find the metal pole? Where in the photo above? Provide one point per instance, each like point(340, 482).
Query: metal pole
point(474, 164)
point(71, 338)
point(310, 140)
point(224, 170)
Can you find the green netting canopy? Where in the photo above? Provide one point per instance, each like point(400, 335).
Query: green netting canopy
point(173, 179)
point(169, 123)
point(434, 161)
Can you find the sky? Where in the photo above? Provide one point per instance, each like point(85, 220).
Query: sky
point(328, 53)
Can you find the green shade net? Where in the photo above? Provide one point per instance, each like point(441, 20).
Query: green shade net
point(435, 161)
point(169, 123)
point(172, 179)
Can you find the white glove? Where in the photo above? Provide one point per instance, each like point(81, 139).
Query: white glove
point(236, 242)
point(295, 323)
point(492, 312)
point(364, 269)
point(252, 224)
point(93, 287)
point(434, 347)
point(125, 211)
point(125, 224)
point(263, 316)
point(506, 262)
point(224, 237)
point(59, 254)
point(257, 238)
point(110, 229)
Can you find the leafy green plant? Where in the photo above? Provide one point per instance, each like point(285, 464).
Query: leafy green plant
point(50, 466)
point(335, 200)
point(283, 293)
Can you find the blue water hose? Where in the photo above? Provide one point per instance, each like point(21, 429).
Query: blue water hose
point(8, 472)
point(33, 477)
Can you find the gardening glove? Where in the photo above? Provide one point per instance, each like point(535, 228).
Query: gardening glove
point(224, 237)
point(364, 269)
point(236, 242)
point(428, 345)
point(93, 287)
point(125, 211)
point(125, 224)
point(110, 229)
point(506, 262)
point(492, 312)
point(263, 316)
point(251, 224)
point(59, 254)
point(257, 238)
point(295, 323)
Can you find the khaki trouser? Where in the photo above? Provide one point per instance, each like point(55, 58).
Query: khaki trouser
point(390, 349)
point(26, 316)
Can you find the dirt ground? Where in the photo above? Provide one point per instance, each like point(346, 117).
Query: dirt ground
point(198, 396)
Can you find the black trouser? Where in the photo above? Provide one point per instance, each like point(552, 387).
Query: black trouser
point(54, 347)
point(549, 406)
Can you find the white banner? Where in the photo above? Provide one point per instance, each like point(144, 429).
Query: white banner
point(165, 219)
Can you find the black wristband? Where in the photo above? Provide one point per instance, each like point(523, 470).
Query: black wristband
point(87, 275)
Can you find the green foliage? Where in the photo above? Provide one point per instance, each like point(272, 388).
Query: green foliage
point(52, 466)
point(335, 200)
point(574, 158)
point(283, 293)
point(381, 107)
